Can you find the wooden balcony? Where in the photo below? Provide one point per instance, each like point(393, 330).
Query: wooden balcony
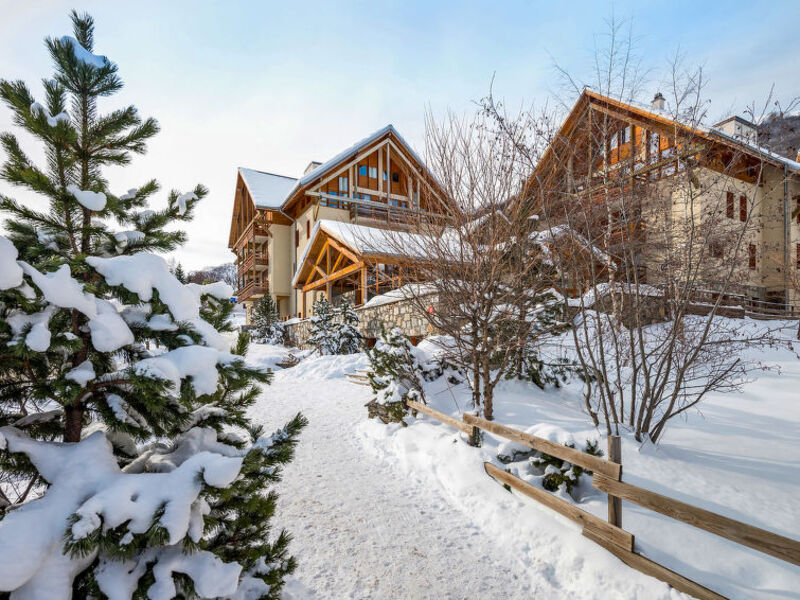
point(254, 260)
point(255, 229)
point(251, 290)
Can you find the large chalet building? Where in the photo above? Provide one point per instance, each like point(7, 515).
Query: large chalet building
point(300, 238)
point(608, 152)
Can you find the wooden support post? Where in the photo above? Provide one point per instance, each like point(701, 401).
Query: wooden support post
point(364, 285)
point(614, 503)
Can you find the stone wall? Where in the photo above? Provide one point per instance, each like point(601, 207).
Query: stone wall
point(396, 313)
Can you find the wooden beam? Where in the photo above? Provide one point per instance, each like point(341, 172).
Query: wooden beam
point(614, 535)
point(439, 416)
point(648, 567)
point(753, 537)
point(332, 277)
point(576, 457)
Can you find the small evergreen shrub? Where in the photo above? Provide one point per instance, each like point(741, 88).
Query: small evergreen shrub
point(266, 322)
point(348, 338)
point(323, 329)
point(397, 371)
point(559, 472)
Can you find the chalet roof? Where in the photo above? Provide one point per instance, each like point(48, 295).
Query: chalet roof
point(363, 240)
point(708, 132)
point(268, 190)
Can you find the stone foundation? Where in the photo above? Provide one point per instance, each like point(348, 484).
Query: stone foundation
point(397, 313)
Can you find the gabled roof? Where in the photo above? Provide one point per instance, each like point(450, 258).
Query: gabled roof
point(272, 192)
point(364, 241)
point(351, 152)
point(267, 189)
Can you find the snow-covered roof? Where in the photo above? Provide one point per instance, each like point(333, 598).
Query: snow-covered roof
point(712, 132)
point(267, 189)
point(272, 191)
point(353, 150)
point(364, 240)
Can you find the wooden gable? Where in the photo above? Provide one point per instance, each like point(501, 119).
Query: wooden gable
point(385, 170)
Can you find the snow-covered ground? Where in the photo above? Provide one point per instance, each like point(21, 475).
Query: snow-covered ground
point(391, 512)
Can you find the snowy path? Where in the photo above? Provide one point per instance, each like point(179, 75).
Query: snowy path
point(364, 530)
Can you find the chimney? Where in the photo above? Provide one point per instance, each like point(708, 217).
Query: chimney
point(659, 102)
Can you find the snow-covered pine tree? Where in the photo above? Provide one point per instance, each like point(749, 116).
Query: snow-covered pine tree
point(323, 329)
point(397, 371)
point(267, 326)
point(150, 491)
point(348, 338)
point(179, 273)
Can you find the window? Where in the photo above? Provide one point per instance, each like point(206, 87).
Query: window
point(384, 174)
point(308, 229)
point(362, 170)
point(373, 172)
point(751, 256)
point(343, 184)
point(729, 208)
point(624, 135)
point(797, 198)
point(366, 197)
point(743, 208)
point(395, 177)
point(797, 257)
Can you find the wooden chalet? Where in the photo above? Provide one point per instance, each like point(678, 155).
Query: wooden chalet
point(607, 148)
point(377, 183)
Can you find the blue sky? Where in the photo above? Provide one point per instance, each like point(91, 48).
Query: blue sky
point(273, 86)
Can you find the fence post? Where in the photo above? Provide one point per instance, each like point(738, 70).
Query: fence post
point(614, 503)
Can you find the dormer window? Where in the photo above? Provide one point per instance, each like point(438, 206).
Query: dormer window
point(362, 170)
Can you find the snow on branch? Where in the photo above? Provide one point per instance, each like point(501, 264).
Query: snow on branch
point(95, 201)
point(83, 55)
point(38, 109)
point(88, 495)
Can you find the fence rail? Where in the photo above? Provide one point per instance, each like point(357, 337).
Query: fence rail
point(607, 477)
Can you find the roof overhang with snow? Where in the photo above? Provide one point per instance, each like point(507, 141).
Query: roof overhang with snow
point(337, 250)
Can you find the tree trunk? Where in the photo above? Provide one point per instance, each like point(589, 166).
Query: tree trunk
point(74, 423)
point(488, 403)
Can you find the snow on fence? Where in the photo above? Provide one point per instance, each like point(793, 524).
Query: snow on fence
point(607, 477)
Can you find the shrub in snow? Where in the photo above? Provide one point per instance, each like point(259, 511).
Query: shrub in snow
point(348, 338)
point(556, 473)
point(397, 370)
point(131, 472)
point(323, 330)
point(267, 327)
point(529, 363)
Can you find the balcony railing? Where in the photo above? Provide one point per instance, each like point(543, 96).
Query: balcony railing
point(257, 258)
point(254, 228)
point(250, 290)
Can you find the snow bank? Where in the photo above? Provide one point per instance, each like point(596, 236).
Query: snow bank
point(325, 367)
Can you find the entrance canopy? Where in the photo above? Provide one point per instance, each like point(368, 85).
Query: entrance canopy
point(364, 261)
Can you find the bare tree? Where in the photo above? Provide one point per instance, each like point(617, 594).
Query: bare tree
point(683, 222)
point(491, 282)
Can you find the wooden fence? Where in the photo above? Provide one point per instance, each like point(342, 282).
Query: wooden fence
point(607, 477)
